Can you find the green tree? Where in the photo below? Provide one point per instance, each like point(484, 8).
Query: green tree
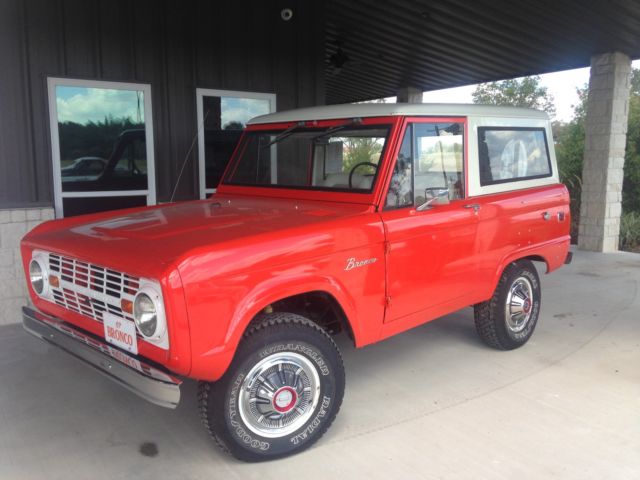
point(569, 146)
point(517, 92)
point(631, 184)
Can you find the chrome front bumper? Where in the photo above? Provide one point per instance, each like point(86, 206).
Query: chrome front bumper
point(144, 380)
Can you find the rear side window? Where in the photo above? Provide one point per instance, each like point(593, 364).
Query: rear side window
point(510, 154)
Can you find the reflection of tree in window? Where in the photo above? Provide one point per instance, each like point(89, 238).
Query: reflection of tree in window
point(233, 126)
point(97, 123)
point(96, 129)
point(96, 139)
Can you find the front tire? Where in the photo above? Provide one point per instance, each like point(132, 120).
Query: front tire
point(508, 319)
point(280, 393)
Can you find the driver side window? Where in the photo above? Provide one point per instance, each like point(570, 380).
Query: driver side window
point(438, 160)
point(430, 160)
point(400, 192)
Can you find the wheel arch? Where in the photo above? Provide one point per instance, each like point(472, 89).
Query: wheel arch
point(293, 294)
point(516, 257)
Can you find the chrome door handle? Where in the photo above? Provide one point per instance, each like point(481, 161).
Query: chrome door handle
point(546, 216)
point(475, 206)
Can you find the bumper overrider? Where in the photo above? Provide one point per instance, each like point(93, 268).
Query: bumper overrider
point(135, 375)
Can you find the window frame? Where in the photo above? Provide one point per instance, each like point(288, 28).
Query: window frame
point(481, 137)
point(59, 195)
point(211, 92)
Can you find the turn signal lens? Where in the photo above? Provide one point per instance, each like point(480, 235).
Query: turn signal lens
point(54, 281)
point(126, 306)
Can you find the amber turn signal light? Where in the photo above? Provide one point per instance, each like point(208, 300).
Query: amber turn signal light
point(126, 306)
point(54, 281)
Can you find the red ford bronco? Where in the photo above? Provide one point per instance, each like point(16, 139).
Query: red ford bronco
point(365, 219)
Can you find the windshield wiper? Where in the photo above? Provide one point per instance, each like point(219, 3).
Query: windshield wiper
point(284, 134)
point(289, 131)
point(337, 128)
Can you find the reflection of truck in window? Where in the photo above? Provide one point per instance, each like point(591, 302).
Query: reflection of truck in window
point(126, 168)
point(83, 169)
point(219, 146)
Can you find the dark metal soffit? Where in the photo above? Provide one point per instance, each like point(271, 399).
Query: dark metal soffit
point(373, 48)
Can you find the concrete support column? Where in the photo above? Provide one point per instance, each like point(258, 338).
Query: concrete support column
point(605, 140)
point(409, 95)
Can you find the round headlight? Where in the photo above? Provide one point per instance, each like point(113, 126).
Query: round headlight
point(145, 314)
point(37, 276)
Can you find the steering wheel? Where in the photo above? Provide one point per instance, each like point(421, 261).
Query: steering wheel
point(353, 169)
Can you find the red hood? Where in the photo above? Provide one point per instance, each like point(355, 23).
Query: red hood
point(149, 241)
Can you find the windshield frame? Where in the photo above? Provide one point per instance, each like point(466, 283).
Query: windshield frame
point(315, 193)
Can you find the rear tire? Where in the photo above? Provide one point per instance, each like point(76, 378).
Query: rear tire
point(281, 392)
point(508, 319)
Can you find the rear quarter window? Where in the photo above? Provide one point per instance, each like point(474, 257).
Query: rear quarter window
point(511, 154)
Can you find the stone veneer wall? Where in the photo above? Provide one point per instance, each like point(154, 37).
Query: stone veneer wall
point(14, 224)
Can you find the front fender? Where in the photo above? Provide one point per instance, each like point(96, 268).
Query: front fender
point(276, 289)
point(359, 292)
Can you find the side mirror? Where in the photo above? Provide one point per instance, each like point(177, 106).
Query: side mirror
point(434, 197)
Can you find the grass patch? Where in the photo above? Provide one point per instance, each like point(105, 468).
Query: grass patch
point(630, 232)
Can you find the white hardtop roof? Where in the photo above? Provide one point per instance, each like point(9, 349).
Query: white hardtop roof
point(354, 110)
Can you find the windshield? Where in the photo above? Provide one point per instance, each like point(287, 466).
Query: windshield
point(342, 158)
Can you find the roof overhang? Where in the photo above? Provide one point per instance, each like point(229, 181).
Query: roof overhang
point(372, 48)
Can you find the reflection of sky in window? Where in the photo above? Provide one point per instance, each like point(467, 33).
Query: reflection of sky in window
point(82, 105)
point(241, 110)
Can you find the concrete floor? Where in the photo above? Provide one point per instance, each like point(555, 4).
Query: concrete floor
point(431, 403)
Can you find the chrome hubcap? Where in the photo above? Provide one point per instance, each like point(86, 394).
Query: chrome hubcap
point(279, 394)
point(519, 304)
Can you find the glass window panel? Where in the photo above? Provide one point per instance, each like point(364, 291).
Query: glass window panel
point(439, 150)
point(224, 119)
point(81, 206)
point(400, 192)
point(101, 134)
point(512, 154)
point(320, 158)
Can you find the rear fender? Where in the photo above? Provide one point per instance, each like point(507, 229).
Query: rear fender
point(553, 254)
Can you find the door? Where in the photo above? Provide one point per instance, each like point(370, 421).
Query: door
point(431, 259)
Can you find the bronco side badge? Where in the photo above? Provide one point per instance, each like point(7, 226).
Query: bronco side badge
point(353, 263)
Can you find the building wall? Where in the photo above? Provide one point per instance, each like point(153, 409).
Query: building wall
point(14, 224)
point(175, 46)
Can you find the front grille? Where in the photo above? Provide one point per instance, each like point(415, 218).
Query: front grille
point(91, 290)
